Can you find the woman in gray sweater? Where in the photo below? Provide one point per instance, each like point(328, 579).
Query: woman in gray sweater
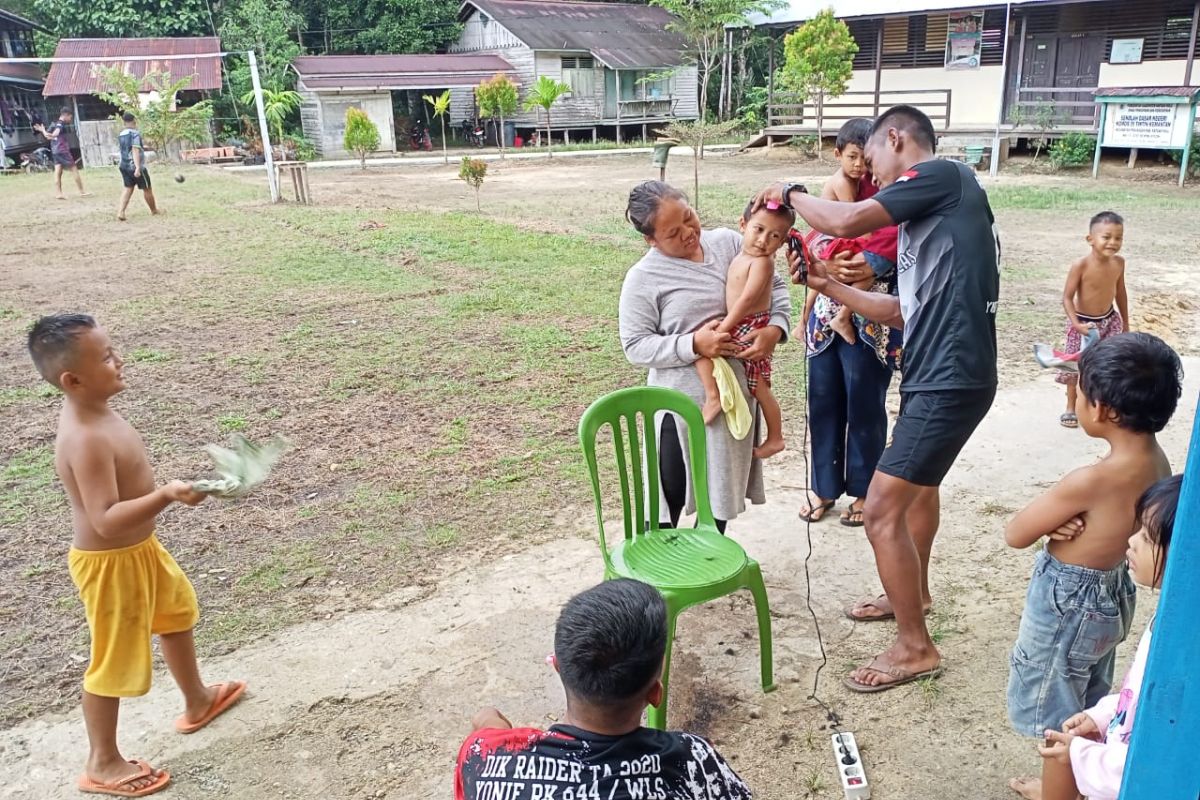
point(671, 303)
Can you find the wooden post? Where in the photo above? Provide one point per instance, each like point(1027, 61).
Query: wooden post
point(1099, 140)
point(1020, 73)
point(878, 63)
point(1191, 56)
point(566, 137)
point(617, 85)
point(1133, 154)
point(994, 162)
point(770, 80)
point(1187, 145)
point(593, 135)
point(1161, 760)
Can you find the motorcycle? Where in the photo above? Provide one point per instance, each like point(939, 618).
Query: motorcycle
point(37, 161)
point(418, 136)
point(473, 133)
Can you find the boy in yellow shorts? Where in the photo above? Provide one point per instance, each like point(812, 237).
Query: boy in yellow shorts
point(130, 586)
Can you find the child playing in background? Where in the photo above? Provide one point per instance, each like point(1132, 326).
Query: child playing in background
point(748, 288)
point(1087, 756)
point(130, 586)
point(1080, 600)
point(1095, 296)
point(609, 645)
point(849, 184)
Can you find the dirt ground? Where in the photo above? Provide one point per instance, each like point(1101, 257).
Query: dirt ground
point(380, 589)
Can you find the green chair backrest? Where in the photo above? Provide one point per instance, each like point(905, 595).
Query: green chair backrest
point(630, 414)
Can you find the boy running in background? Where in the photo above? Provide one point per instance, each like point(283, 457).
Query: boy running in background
point(1095, 296)
point(133, 166)
point(1080, 601)
point(748, 287)
point(130, 586)
point(849, 184)
point(609, 645)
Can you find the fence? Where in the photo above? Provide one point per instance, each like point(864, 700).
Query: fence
point(1054, 107)
point(790, 110)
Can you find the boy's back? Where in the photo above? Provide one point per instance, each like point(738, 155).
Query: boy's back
point(569, 762)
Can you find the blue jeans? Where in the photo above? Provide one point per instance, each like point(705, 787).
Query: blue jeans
point(847, 388)
point(1063, 660)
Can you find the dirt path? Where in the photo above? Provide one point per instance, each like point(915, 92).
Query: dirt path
point(374, 704)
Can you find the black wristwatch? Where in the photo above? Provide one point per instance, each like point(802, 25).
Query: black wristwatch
point(788, 188)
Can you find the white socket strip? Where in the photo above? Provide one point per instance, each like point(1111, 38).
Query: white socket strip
point(850, 767)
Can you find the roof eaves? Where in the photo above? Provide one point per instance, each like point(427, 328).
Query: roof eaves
point(23, 20)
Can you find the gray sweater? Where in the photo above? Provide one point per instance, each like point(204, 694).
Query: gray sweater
point(662, 301)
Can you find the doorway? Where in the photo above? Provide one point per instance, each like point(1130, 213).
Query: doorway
point(1062, 62)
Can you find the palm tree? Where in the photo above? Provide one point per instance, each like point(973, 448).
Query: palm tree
point(441, 107)
point(543, 95)
point(278, 105)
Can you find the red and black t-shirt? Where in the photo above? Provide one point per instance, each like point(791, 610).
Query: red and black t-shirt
point(567, 763)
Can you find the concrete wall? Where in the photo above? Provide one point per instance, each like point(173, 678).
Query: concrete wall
point(974, 94)
point(1148, 73)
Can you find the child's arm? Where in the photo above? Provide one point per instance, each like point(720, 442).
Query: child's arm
point(1123, 299)
point(758, 284)
point(1047, 515)
point(489, 718)
point(1074, 276)
point(95, 470)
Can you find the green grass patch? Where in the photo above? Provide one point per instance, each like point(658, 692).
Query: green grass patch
point(16, 395)
point(231, 423)
point(148, 355)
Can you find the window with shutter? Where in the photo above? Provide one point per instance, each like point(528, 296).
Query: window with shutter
point(895, 36)
point(579, 72)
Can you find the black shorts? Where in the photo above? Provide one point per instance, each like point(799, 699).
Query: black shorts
point(141, 181)
point(65, 161)
point(932, 429)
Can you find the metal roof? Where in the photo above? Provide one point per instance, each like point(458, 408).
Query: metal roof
point(21, 73)
point(79, 77)
point(19, 20)
point(1147, 91)
point(802, 10)
point(398, 71)
point(620, 35)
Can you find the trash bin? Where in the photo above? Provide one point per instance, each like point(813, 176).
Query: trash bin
point(510, 133)
point(662, 149)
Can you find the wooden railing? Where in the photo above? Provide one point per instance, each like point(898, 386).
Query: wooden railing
point(642, 108)
point(787, 109)
point(1050, 107)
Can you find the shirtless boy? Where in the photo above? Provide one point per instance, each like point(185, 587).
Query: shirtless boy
point(748, 288)
point(130, 586)
point(1080, 601)
point(1095, 296)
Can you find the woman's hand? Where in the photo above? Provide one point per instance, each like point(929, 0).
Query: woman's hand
point(850, 269)
point(762, 343)
point(710, 343)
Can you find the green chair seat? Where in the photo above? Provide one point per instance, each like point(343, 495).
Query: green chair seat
point(687, 566)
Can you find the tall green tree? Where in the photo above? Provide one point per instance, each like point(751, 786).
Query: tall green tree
point(270, 28)
point(386, 26)
point(278, 105)
point(441, 107)
point(497, 98)
point(543, 95)
point(124, 18)
point(702, 24)
point(819, 61)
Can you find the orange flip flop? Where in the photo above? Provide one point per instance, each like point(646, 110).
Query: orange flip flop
point(119, 788)
point(227, 694)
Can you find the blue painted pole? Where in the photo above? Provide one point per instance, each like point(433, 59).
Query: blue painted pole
point(1161, 763)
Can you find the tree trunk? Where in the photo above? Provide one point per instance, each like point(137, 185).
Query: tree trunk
point(721, 107)
point(549, 141)
point(445, 155)
point(500, 135)
point(478, 207)
point(696, 180)
point(820, 119)
point(362, 159)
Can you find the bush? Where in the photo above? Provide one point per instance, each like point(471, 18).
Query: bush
point(1073, 150)
point(1193, 159)
point(808, 145)
point(473, 171)
point(362, 136)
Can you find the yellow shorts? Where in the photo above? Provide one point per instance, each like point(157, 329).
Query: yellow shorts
point(129, 594)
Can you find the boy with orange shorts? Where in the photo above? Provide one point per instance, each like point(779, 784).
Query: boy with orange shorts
point(130, 586)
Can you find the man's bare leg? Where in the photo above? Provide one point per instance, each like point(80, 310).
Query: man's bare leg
point(922, 520)
point(898, 557)
point(148, 194)
point(125, 195)
point(58, 192)
point(105, 763)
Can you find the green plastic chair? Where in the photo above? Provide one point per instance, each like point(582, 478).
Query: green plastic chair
point(688, 566)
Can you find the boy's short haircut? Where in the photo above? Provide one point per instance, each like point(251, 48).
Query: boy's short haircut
point(1106, 218)
point(610, 641)
point(66, 110)
point(52, 342)
point(1136, 375)
point(128, 116)
point(1156, 513)
point(911, 120)
point(854, 131)
point(782, 211)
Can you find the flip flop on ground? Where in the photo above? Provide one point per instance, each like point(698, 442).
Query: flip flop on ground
point(1069, 420)
point(227, 694)
point(816, 512)
point(853, 516)
point(854, 610)
point(123, 787)
point(898, 675)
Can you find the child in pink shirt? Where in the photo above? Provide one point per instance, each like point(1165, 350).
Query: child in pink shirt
point(1088, 756)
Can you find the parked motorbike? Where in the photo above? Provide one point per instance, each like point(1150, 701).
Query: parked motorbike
point(473, 133)
point(37, 161)
point(418, 136)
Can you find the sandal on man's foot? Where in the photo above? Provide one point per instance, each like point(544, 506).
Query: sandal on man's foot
point(816, 513)
point(898, 675)
point(1069, 420)
point(853, 517)
point(854, 611)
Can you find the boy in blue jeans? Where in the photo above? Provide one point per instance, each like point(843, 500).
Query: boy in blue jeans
point(608, 649)
point(1080, 600)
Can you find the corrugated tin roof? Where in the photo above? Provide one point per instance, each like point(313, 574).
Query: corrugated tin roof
point(19, 20)
point(620, 35)
point(1148, 91)
point(78, 77)
point(397, 71)
point(802, 10)
point(21, 73)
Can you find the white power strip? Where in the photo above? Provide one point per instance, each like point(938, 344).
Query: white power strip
point(850, 767)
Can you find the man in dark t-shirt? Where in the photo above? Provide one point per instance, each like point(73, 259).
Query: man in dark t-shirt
point(608, 649)
point(60, 151)
point(132, 166)
point(949, 288)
